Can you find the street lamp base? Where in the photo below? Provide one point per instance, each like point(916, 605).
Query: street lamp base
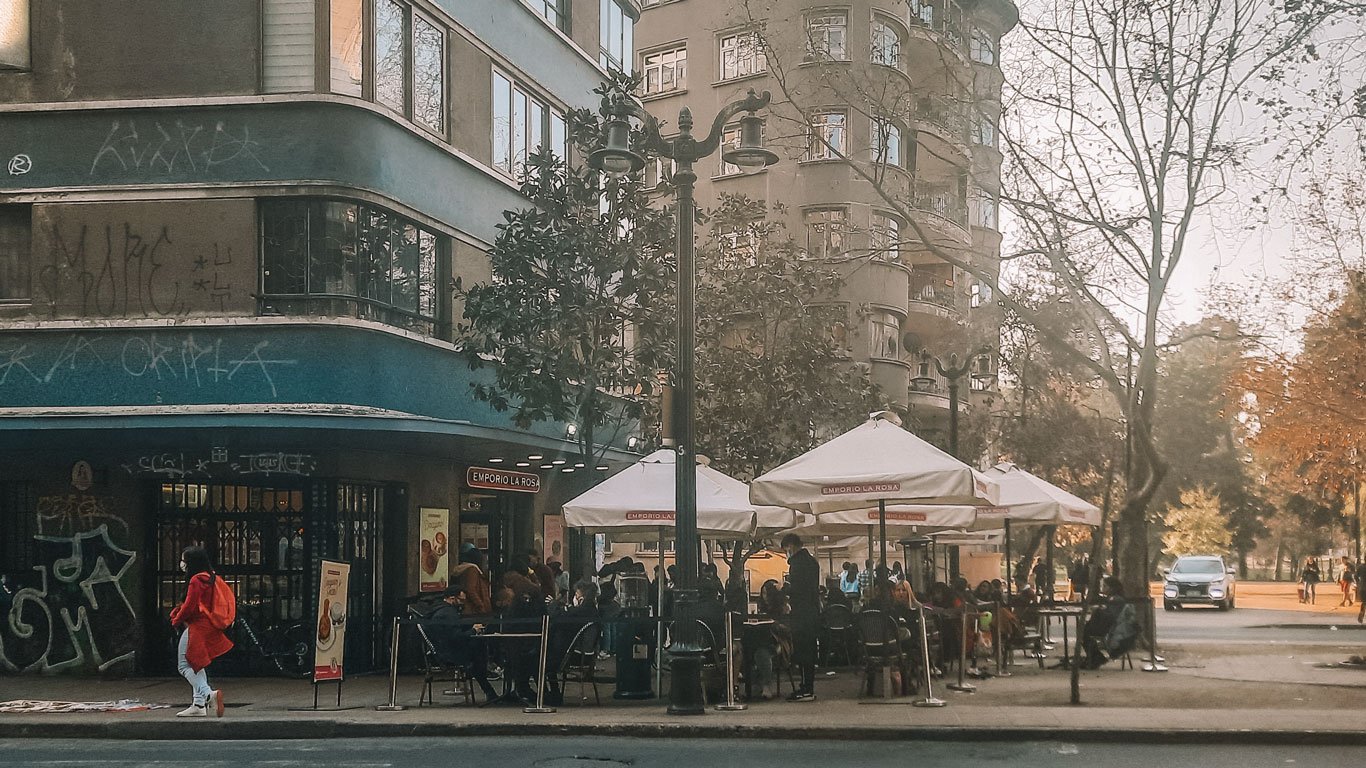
point(731, 707)
point(539, 710)
point(685, 691)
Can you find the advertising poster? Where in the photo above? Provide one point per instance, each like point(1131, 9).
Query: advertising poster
point(433, 558)
point(330, 640)
point(553, 539)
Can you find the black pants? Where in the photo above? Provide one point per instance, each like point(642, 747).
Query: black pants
point(804, 630)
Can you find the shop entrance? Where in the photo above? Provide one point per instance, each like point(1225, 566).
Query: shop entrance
point(267, 542)
point(497, 523)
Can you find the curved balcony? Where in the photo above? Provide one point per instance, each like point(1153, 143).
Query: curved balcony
point(893, 378)
point(944, 215)
point(932, 295)
point(877, 282)
point(937, 39)
point(930, 395)
point(942, 132)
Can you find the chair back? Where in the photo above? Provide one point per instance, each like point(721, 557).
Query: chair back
point(838, 617)
point(877, 632)
point(583, 649)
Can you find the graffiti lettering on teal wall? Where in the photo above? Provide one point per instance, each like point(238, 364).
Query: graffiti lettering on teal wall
point(176, 146)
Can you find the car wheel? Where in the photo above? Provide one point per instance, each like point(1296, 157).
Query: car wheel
point(1168, 605)
point(1231, 602)
point(1224, 606)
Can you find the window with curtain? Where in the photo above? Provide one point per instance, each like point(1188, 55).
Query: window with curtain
point(885, 336)
point(742, 54)
point(666, 71)
point(826, 233)
point(287, 45)
point(983, 47)
point(828, 136)
point(884, 238)
point(827, 36)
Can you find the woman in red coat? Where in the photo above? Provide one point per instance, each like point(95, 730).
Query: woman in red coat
point(200, 641)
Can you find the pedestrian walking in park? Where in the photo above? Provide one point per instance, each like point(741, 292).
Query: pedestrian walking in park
point(1080, 576)
point(1346, 580)
point(209, 608)
point(1310, 578)
point(804, 610)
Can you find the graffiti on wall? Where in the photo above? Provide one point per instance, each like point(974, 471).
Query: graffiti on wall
point(176, 147)
point(130, 270)
point(179, 466)
point(72, 610)
point(197, 363)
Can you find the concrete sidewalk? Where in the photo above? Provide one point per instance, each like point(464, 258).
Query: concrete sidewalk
point(1248, 697)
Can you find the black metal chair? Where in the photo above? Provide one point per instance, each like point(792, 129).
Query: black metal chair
point(580, 662)
point(434, 670)
point(881, 648)
point(838, 621)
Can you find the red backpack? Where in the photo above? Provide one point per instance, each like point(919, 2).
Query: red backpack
point(221, 606)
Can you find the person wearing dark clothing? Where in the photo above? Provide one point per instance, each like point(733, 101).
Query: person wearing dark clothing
point(541, 574)
point(454, 642)
point(1310, 577)
point(1043, 579)
point(520, 655)
point(803, 584)
point(564, 627)
point(1080, 576)
point(1112, 629)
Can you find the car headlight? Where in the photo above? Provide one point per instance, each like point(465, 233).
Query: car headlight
point(1216, 590)
point(1169, 590)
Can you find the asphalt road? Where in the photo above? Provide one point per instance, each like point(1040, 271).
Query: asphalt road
point(642, 753)
point(1263, 627)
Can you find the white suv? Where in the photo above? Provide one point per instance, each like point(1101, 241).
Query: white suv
point(1200, 580)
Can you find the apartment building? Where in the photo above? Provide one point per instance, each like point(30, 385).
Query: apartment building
point(885, 116)
point(227, 236)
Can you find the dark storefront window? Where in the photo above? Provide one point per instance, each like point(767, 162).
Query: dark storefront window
point(326, 257)
point(18, 524)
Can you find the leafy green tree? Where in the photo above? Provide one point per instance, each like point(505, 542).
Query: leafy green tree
point(1196, 525)
point(772, 380)
point(571, 322)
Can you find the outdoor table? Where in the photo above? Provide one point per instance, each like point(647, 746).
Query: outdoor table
point(1065, 614)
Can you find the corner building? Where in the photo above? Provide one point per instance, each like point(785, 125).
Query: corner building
point(908, 91)
point(227, 236)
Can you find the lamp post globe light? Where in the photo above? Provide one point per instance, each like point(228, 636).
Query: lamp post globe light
point(616, 158)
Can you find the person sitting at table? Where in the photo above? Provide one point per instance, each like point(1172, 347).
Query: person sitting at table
point(454, 641)
point(849, 584)
point(520, 653)
point(564, 627)
point(769, 640)
point(471, 575)
point(1112, 629)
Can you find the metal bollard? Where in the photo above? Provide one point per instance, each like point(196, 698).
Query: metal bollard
point(393, 705)
point(960, 686)
point(1003, 662)
point(541, 708)
point(730, 705)
point(929, 700)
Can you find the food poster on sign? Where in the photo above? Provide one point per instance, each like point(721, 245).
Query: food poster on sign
point(433, 556)
point(330, 638)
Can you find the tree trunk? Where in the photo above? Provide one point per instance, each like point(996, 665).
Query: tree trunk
point(1280, 559)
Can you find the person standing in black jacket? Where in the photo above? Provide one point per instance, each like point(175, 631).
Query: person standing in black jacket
point(803, 584)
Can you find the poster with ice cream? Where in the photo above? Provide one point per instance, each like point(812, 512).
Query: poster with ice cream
point(433, 559)
point(330, 639)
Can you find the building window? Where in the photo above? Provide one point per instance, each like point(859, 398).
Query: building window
point(886, 44)
point(521, 123)
point(884, 238)
point(16, 237)
point(981, 296)
point(666, 71)
point(742, 54)
point(826, 233)
point(738, 244)
point(923, 11)
point(617, 38)
point(287, 47)
point(984, 132)
point(658, 173)
point(828, 136)
point(331, 257)
point(348, 47)
point(14, 35)
point(827, 36)
point(983, 47)
point(885, 336)
point(429, 70)
point(555, 11)
point(390, 51)
point(886, 143)
point(987, 209)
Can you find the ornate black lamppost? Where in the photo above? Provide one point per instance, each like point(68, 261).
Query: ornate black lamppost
point(617, 158)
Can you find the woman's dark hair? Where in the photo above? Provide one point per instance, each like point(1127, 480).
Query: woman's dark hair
point(1114, 586)
point(196, 561)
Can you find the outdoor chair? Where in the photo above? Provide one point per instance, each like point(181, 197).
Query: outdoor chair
point(434, 670)
point(881, 651)
point(838, 621)
point(580, 662)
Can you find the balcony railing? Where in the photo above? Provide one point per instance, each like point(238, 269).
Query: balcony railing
point(942, 16)
point(931, 289)
point(949, 120)
point(942, 202)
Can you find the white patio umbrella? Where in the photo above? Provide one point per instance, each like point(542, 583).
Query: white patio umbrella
point(876, 466)
point(1027, 500)
point(638, 504)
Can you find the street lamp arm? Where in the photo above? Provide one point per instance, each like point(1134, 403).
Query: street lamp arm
point(751, 103)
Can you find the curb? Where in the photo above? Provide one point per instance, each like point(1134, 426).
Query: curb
point(330, 729)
